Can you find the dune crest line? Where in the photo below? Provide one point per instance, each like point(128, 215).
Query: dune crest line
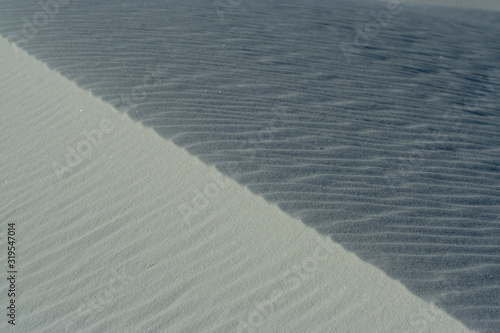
point(105, 249)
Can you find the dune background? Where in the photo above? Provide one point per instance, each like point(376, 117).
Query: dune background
point(105, 248)
point(391, 151)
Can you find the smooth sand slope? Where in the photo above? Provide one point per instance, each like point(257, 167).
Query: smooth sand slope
point(105, 248)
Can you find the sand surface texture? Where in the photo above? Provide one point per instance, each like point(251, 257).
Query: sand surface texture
point(379, 132)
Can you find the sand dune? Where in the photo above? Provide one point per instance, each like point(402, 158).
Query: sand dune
point(387, 144)
point(107, 246)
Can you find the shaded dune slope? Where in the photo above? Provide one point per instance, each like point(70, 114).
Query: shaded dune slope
point(103, 248)
point(393, 152)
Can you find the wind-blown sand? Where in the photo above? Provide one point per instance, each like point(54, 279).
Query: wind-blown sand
point(378, 131)
point(104, 247)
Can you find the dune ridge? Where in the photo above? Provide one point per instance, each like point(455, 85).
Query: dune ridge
point(104, 248)
point(390, 149)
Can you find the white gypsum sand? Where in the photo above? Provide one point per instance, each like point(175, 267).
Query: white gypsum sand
point(118, 230)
